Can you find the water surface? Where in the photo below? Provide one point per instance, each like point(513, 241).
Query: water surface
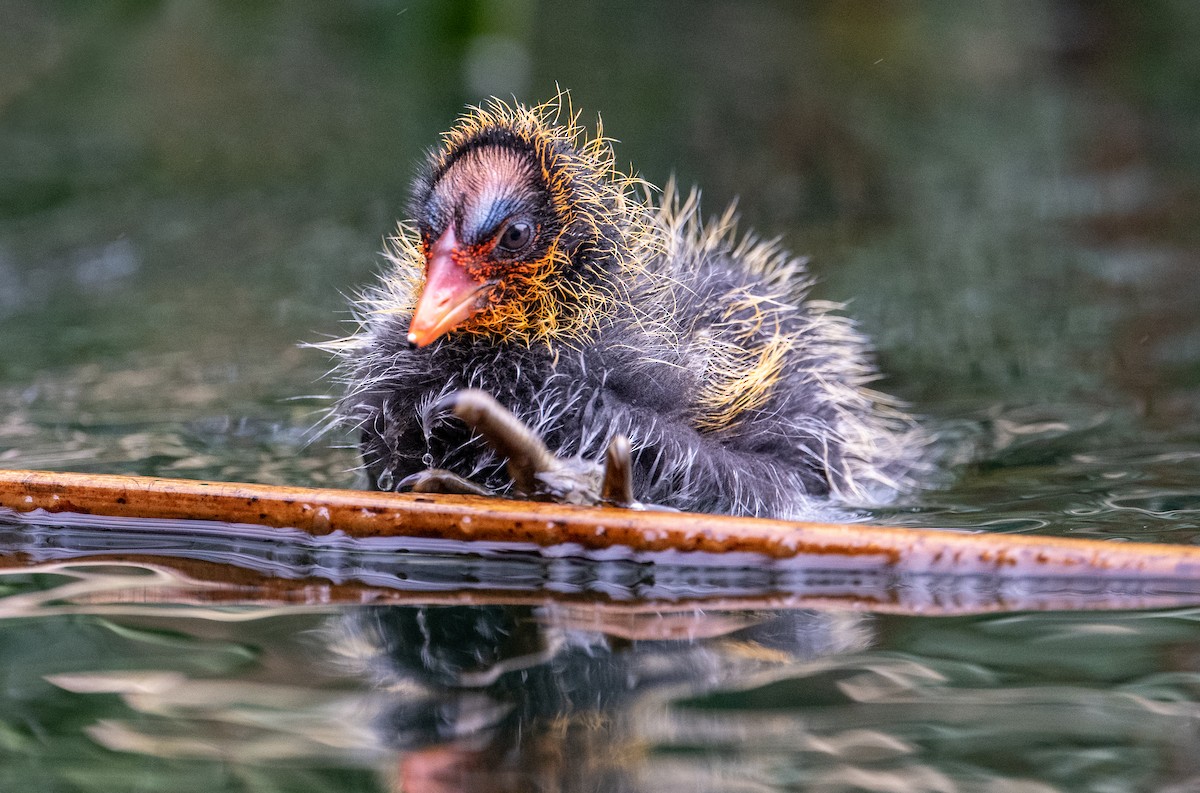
point(1006, 194)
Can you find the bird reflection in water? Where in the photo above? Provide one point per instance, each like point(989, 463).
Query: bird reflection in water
point(505, 698)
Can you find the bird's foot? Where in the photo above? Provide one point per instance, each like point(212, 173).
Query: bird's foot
point(439, 480)
point(535, 472)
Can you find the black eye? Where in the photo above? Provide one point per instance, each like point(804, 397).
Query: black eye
point(516, 236)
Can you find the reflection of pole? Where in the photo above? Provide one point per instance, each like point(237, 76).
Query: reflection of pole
point(605, 532)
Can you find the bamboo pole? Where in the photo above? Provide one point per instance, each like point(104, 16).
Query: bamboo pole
point(595, 531)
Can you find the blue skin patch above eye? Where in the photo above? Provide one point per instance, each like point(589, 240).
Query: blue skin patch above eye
point(485, 188)
point(481, 219)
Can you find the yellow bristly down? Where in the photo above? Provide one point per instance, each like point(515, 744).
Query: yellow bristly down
point(593, 200)
point(744, 364)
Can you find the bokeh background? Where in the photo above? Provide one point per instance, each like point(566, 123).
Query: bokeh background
point(1005, 194)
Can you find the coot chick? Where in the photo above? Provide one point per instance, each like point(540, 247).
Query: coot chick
point(536, 272)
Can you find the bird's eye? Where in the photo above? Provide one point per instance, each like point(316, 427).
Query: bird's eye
point(516, 236)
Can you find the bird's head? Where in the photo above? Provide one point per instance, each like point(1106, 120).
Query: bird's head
point(524, 228)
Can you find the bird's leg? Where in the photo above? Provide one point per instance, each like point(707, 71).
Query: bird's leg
point(504, 432)
point(535, 471)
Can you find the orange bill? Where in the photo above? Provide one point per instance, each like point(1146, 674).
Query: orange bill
point(451, 295)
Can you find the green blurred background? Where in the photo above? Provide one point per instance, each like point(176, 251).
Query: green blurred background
point(1004, 191)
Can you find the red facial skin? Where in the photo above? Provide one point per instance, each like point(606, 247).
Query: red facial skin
point(457, 283)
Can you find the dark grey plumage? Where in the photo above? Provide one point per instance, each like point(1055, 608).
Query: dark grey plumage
point(738, 393)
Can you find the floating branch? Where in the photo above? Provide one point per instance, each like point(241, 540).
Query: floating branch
point(596, 532)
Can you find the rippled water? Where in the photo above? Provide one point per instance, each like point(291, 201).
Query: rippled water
point(1006, 194)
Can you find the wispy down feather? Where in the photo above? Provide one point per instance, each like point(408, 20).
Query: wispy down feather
point(738, 392)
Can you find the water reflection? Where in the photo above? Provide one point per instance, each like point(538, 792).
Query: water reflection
point(466, 698)
point(285, 677)
point(519, 700)
point(1005, 192)
point(496, 698)
point(115, 559)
